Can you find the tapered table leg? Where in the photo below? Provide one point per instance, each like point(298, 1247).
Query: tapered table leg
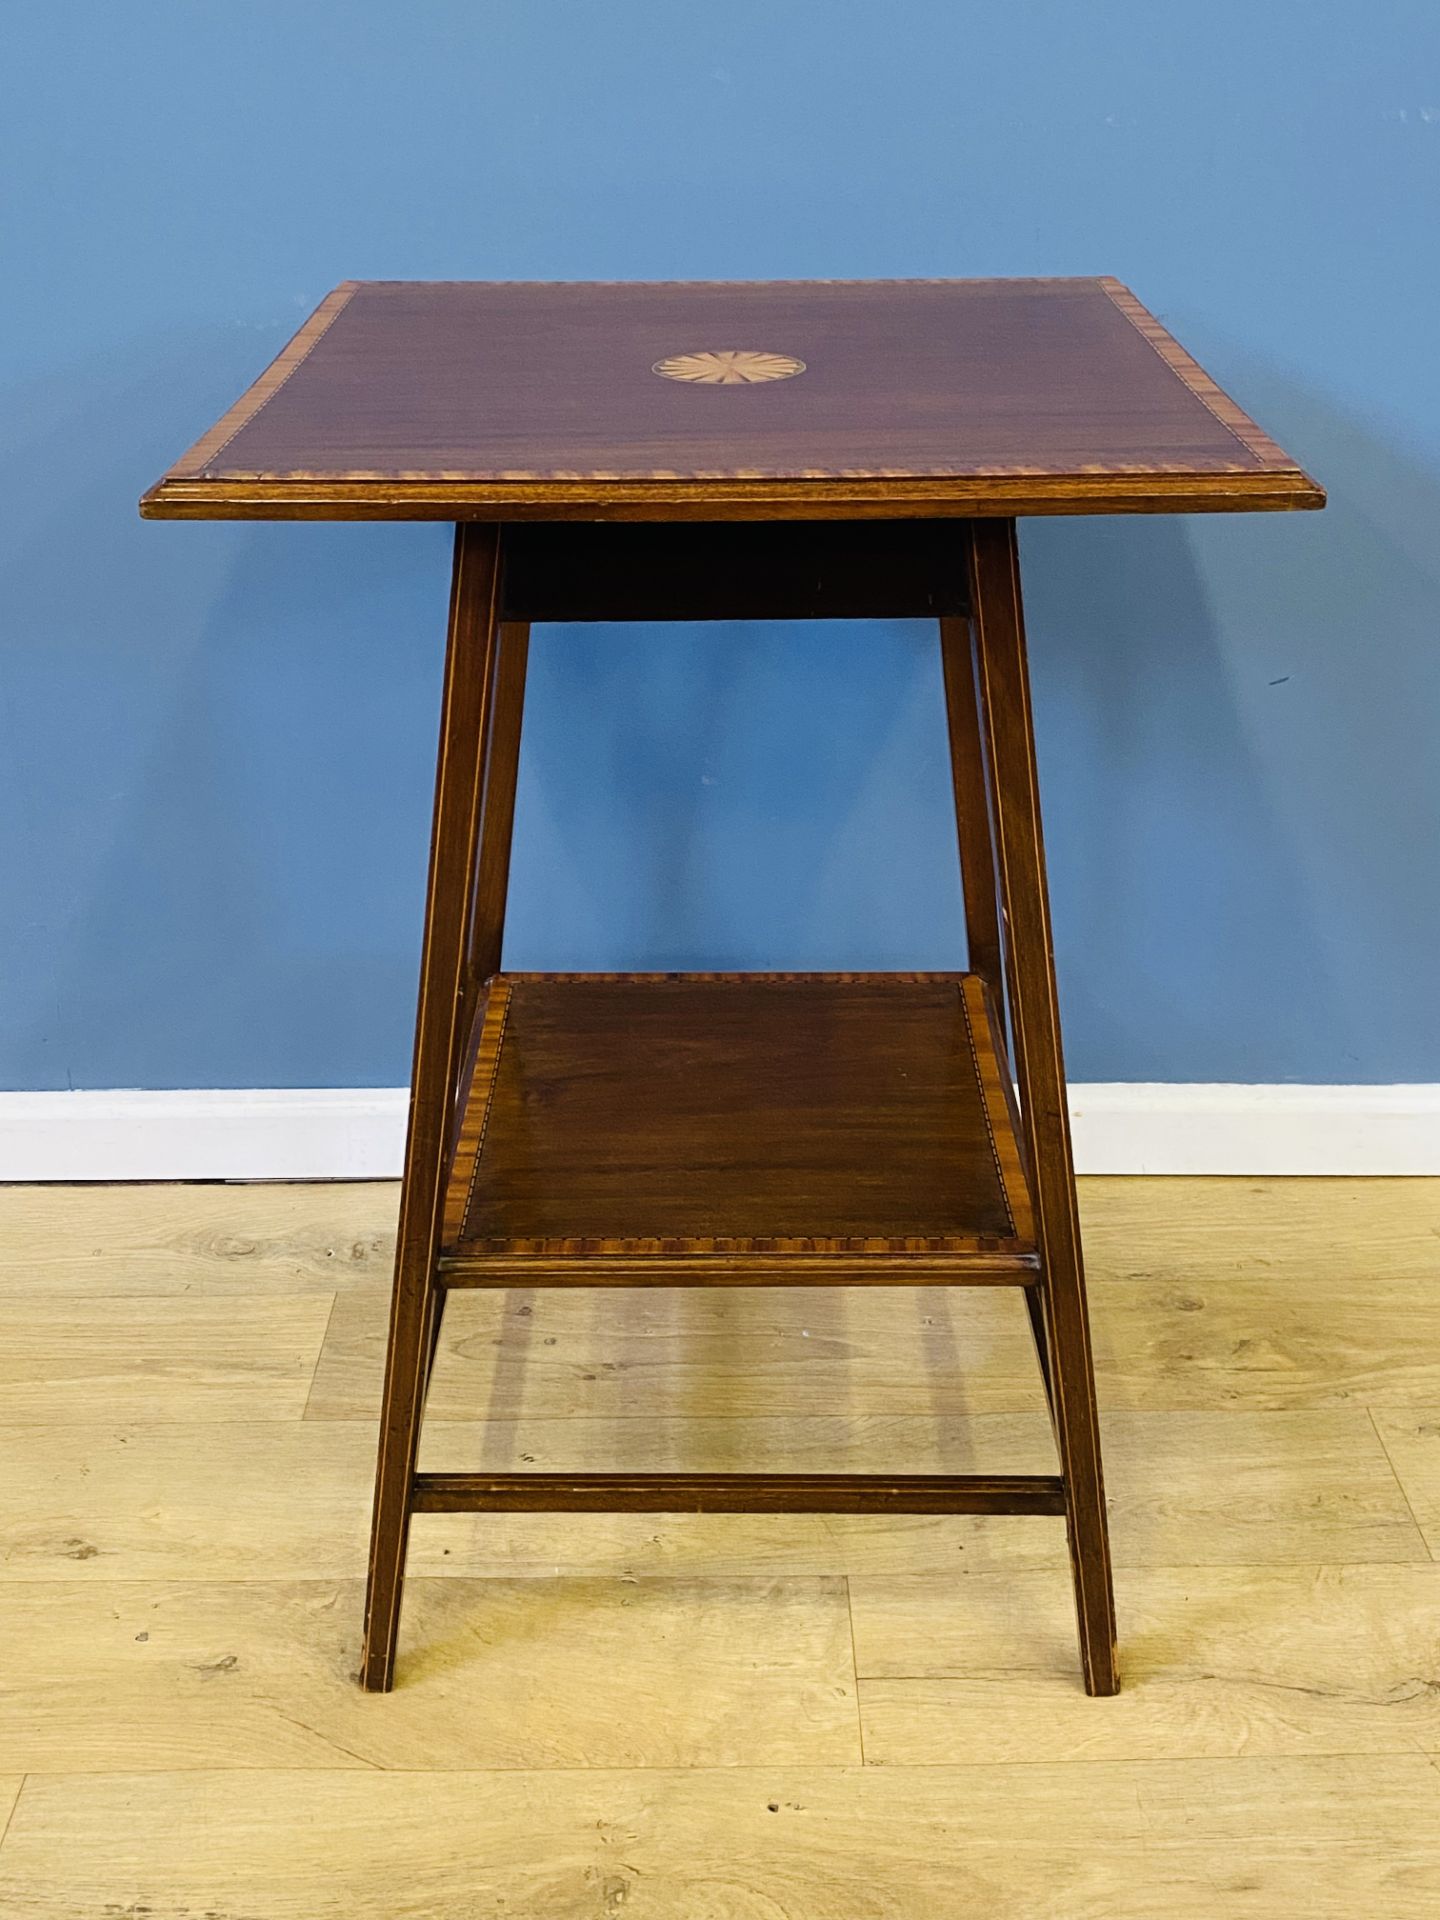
point(485, 926)
point(470, 678)
point(977, 868)
point(972, 809)
point(485, 930)
point(1039, 1064)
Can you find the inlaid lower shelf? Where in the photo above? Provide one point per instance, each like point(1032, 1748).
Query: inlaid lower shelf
point(734, 1129)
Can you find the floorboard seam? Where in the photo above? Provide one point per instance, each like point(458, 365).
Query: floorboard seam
point(855, 1670)
point(10, 1816)
point(1404, 1490)
point(319, 1356)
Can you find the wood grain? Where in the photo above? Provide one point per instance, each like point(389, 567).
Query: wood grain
point(1218, 1660)
point(1261, 1345)
point(1412, 1444)
point(1214, 1487)
point(493, 399)
point(1338, 1236)
point(214, 1500)
point(190, 1359)
point(287, 1499)
point(1186, 1488)
point(664, 1352)
point(1269, 1343)
point(736, 1125)
point(1329, 1838)
point(211, 445)
point(137, 1676)
point(205, 1240)
point(1273, 1753)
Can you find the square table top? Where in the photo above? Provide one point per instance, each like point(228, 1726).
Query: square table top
point(723, 400)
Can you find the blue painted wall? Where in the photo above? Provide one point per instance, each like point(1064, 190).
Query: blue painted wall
point(215, 741)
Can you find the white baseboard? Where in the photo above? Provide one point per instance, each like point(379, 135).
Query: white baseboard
point(341, 1133)
point(204, 1133)
point(1191, 1127)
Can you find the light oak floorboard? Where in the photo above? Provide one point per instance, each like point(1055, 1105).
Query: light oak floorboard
point(1321, 1231)
point(140, 1359)
point(9, 1794)
point(1326, 1838)
point(1266, 1343)
point(291, 1500)
point(267, 1500)
point(201, 1239)
point(1268, 1361)
point(604, 1672)
point(1184, 1488)
point(694, 1352)
point(1412, 1441)
point(1253, 1488)
point(1215, 1660)
point(182, 1238)
point(1250, 1341)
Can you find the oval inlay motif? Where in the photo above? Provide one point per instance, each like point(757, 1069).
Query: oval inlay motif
point(735, 367)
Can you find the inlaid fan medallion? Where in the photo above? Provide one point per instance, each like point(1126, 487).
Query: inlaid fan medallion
point(732, 368)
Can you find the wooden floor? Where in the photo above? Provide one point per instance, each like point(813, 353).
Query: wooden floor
point(724, 1718)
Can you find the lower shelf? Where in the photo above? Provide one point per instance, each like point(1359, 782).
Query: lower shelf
point(632, 1129)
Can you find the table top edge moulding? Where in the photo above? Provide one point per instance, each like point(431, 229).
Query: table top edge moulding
point(510, 400)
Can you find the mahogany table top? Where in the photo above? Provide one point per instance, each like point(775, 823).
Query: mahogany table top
point(725, 400)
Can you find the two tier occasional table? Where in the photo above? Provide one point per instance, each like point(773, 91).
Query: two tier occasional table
point(727, 451)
